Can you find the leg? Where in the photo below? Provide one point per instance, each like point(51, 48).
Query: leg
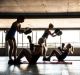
point(25, 53)
point(10, 42)
point(48, 59)
point(44, 49)
point(34, 59)
point(64, 55)
point(14, 49)
point(52, 53)
point(44, 52)
point(59, 57)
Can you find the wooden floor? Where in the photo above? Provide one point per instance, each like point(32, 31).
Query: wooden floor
point(41, 69)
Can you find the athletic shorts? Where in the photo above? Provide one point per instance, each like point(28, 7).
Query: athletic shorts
point(9, 38)
point(41, 40)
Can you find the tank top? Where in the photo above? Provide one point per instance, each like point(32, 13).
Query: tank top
point(12, 30)
point(46, 33)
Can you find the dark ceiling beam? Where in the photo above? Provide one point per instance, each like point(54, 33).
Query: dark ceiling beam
point(41, 15)
point(45, 28)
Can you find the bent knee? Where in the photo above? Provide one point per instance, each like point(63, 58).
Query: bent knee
point(26, 51)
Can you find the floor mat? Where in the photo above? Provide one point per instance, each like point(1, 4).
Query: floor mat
point(47, 62)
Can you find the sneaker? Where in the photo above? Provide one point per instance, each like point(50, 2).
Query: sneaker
point(32, 63)
point(60, 60)
point(46, 59)
point(16, 62)
point(10, 61)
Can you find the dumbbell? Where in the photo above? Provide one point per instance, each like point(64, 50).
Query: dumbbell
point(58, 32)
point(27, 31)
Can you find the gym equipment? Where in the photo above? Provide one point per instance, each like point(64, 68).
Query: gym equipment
point(48, 62)
point(27, 31)
point(58, 32)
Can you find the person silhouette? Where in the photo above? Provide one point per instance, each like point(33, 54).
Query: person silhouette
point(32, 54)
point(10, 37)
point(42, 40)
point(61, 55)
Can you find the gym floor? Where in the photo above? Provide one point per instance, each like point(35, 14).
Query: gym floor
point(41, 69)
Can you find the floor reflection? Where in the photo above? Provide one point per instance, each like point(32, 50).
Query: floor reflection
point(40, 69)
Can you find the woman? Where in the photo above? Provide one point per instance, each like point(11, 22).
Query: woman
point(42, 40)
point(61, 55)
point(10, 37)
point(31, 55)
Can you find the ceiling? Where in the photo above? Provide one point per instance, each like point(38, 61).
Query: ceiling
point(41, 6)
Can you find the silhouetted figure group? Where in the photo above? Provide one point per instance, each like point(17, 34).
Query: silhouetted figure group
point(10, 37)
point(35, 51)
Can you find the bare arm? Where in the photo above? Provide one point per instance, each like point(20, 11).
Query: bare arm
point(52, 34)
point(19, 29)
